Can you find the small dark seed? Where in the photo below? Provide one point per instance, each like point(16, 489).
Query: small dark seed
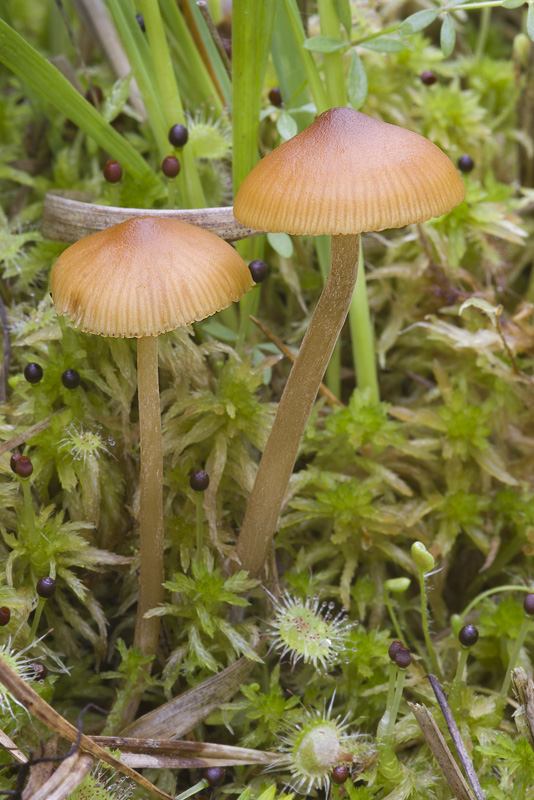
point(178, 135)
point(259, 270)
point(468, 636)
point(5, 615)
point(214, 775)
point(466, 163)
point(528, 605)
point(403, 658)
point(33, 372)
point(46, 587)
point(171, 167)
point(24, 467)
point(394, 648)
point(428, 77)
point(340, 774)
point(141, 22)
point(112, 171)
point(71, 379)
point(199, 481)
point(275, 97)
point(13, 461)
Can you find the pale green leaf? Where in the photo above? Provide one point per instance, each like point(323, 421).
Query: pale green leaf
point(418, 21)
point(530, 22)
point(116, 101)
point(447, 36)
point(385, 44)
point(513, 3)
point(324, 44)
point(357, 81)
point(281, 243)
point(286, 126)
point(344, 13)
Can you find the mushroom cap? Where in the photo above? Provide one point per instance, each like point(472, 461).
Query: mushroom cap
point(348, 173)
point(146, 276)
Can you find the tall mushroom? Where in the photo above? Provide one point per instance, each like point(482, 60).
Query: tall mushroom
point(345, 174)
point(139, 279)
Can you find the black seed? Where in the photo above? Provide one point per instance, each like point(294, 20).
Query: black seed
point(259, 270)
point(394, 648)
point(178, 135)
point(466, 163)
point(112, 171)
point(13, 461)
point(428, 77)
point(141, 22)
point(171, 167)
point(23, 467)
point(33, 372)
point(71, 379)
point(403, 658)
point(5, 615)
point(199, 481)
point(46, 587)
point(468, 636)
point(528, 605)
point(275, 97)
point(214, 775)
point(340, 774)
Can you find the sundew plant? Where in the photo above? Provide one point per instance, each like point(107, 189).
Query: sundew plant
point(344, 606)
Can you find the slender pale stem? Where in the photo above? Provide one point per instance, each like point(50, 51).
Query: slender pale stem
point(362, 336)
point(151, 571)
point(279, 456)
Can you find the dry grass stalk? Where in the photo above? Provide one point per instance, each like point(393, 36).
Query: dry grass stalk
point(441, 752)
point(180, 715)
point(64, 780)
point(35, 705)
point(12, 748)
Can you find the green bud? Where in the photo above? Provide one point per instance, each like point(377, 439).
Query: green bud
point(521, 48)
point(424, 561)
point(397, 585)
point(456, 624)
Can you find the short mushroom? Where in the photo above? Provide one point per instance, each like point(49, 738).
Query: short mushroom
point(345, 174)
point(139, 279)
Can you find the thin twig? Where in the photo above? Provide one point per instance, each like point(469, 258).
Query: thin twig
point(214, 33)
point(20, 438)
point(456, 737)
point(324, 391)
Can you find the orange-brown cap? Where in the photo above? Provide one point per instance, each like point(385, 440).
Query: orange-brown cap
point(146, 276)
point(348, 173)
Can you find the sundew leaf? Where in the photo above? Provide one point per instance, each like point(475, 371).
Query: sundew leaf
point(447, 36)
point(357, 81)
point(324, 44)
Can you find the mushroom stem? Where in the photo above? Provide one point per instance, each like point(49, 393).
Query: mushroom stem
point(151, 570)
point(280, 453)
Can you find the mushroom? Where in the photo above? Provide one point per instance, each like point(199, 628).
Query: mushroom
point(139, 279)
point(345, 174)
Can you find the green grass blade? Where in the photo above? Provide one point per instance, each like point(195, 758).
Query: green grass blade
point(299, 37)
point(213, 55)
point(47, 81)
